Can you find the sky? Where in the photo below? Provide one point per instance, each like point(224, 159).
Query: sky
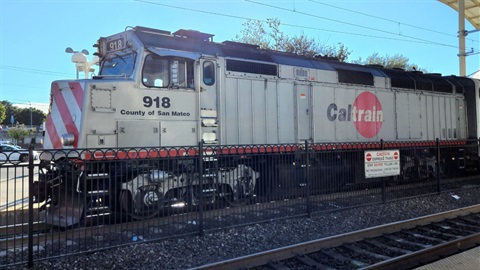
point(35, 33)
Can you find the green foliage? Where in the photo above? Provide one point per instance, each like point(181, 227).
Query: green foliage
point(387, 61)
point(270, 37)
point(18, 133)
point(21, 115)
point(3, 112)
point(339, 51)
point(254, 33)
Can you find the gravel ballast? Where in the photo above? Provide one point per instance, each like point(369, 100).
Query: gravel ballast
point(193, 251)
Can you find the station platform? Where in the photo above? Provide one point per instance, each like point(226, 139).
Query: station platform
point(467, 260)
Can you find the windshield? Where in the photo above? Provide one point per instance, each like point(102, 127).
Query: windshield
point(119, 65)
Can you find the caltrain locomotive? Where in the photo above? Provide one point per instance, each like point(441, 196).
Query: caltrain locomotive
point(157, 89)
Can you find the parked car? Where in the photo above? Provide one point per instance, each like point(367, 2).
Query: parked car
point(7, 142)
point(13, 153)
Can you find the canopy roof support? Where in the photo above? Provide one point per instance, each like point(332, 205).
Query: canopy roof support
point(470, 10)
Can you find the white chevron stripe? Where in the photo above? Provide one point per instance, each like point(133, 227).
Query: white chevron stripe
point(73, 106)
point(47, 143)
point(58, 122)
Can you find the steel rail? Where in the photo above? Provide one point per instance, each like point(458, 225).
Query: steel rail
point(428, 255)
point(283, 253)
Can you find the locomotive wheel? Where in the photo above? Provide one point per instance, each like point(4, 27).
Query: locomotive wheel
point(239, 196)
point(128, 207)
point(194, 193)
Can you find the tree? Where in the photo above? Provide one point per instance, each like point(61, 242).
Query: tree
point(387, 61)
point(18, 133)
point(21, 115)
point(33, 115)
point(3, 112)
point(270, 37)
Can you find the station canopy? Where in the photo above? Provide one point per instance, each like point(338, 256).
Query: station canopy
point(472, 10)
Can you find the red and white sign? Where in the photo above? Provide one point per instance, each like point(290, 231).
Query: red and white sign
point(382, 163)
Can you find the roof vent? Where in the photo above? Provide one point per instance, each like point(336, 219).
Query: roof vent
point(331, 58)
point(375, 65)
point(240, 44)
point(193, 34)
point(151, 30)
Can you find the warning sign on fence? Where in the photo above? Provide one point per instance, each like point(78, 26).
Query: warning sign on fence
point(382, 163)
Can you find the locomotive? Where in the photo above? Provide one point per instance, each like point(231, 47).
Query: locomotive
point(157, 89)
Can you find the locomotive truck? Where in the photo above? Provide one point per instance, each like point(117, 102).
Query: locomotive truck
point(157, 89)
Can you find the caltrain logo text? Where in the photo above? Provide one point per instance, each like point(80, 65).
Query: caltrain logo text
point(365, 113)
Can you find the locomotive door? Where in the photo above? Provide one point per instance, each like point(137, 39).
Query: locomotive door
point(304, 112)
point(208, 101)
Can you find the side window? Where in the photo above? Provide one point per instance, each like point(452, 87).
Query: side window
point(155, 71)
point(182, 73)
point(208, 73)
point(167, 72)
point(190, 74)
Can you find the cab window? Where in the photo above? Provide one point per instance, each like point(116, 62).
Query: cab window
point(208, 73)
point(167, 72)
point(119, 65)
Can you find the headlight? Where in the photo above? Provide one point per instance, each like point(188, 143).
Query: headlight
point(67, 139)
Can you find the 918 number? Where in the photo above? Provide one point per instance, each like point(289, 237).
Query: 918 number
point(115, 44)
point(157, 102)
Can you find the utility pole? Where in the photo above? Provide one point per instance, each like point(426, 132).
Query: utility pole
point(461, 37)
point(31, 125)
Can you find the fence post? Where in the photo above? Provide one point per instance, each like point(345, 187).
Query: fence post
point(384, 179)
point(437, 146)
point(30, 206)
point(200, 182)
point(307, 177)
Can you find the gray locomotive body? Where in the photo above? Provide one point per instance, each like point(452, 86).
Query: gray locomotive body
point(159, 89)
point(162, 89)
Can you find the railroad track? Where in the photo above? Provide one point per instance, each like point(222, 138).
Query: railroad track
point(400, 245)
point(15, 235)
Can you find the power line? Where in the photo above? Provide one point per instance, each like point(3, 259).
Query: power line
point(23, 86)
point(419, 41)
point(36, 71)
point(386, 19)
point(350, 24)
point(196, 10)
point(23, 102)
point(365, 35)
